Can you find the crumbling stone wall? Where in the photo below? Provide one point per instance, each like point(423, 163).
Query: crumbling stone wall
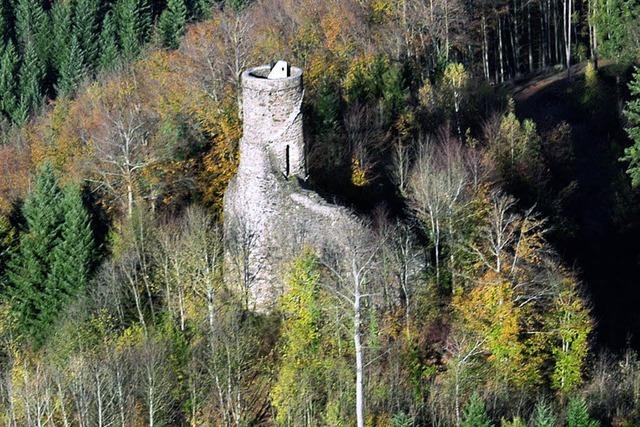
point(268, 217)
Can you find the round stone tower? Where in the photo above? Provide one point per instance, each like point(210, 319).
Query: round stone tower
point(271, 107)
point(272, 155)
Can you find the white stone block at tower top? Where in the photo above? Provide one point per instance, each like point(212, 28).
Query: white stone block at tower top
point(272, 118)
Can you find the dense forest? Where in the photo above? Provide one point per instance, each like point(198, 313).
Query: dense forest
point(492, 147)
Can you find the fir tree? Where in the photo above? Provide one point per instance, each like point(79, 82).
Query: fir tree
point(632, 113)
point(172, 23)
point(85, 28)
point(4, 23)
point(61, 22)
point(578, 414)
point(8, 73)
point(134, 22)
point(30, 265)
point(200, 9)
point(475, 414)
point(72, 69)
point(542, 416)
point(72, 257)
point(33, 30)
point(108, 43)
point(30, 76)
point(7, 244)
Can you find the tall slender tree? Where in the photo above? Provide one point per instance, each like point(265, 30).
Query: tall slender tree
point(60, 24)
point(108, 43)
point(632, 113)
point(134, 22)
point(31, 75)
point(29, 267)
point(172, 23)
point(72, 257)
point(8, 73)
point(72, 69)
point(85, 28)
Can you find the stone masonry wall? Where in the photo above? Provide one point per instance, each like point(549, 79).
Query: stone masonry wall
point(267, 216)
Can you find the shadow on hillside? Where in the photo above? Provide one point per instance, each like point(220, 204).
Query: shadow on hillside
point(593, 212)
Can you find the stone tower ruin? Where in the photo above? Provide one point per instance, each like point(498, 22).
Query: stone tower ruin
point(268, 217)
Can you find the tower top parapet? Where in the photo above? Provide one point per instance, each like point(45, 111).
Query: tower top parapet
point(258, 78)
point(272, 119)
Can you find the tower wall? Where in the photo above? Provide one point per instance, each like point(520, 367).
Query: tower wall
point(268, 218)
point(272, 119)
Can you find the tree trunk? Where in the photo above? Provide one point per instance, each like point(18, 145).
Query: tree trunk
point(359, 359)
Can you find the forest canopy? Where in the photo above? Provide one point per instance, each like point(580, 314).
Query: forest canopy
point(491, 147)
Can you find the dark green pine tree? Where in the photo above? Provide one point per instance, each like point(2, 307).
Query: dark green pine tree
point(475, 414)
point(30, 77)
point(134, 23)
point(4, 23)
point(172, 23)
point(31, 263)
point(632, 113)
point(108, 43)
point(85, 28)
point(578, 414)
point(72, 69)
point(542, 416)
point(33, 28)
point(72, 257)
point(7, 245)
point(61, 23)
point(200, 9)
point(8, 74)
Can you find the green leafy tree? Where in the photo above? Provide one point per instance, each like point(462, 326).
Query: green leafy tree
point(394, 92)
point(542, 415)
point(85, 29)
point(475, 414)
point(570, 326)
point(108, 43)
point(8, 73)
point(172, 23)
point(72, 257)
point(632, 113)
point(298, 390)
point(72, 69)
point(30, 265)
point(578, 414)
point(618, 32)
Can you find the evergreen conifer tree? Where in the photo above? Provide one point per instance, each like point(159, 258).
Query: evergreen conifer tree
point(108, 43)
point(61, 23)
point(72, 69)
point(4, 23)
point(475, 414)
point(172, 23)
point(33, 30)
point(85, 28)
point(8, 73)
point(30, 76)
point(542, 416)
point(632, 113)
point(134, 22)
point(578, 414)
point(29, 267)
point(72, 256)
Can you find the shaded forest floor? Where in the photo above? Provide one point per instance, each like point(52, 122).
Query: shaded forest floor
point(593, 212)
